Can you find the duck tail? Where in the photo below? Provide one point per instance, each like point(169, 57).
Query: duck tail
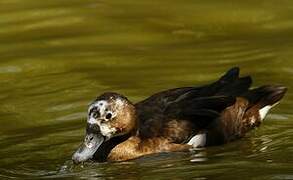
point(230, 84)
point(264, 98)
point(231, 75)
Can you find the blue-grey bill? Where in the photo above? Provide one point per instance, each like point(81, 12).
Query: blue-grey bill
point(88, 148)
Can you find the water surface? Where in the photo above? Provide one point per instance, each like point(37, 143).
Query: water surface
point(57, 56)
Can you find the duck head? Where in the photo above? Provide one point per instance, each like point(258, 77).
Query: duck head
point(110, 115)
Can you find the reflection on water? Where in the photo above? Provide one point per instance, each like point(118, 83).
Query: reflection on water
point(57, 56)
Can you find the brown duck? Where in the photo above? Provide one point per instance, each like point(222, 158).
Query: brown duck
point(175, 120)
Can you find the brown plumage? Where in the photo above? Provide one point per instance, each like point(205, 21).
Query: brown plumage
point(175, 119)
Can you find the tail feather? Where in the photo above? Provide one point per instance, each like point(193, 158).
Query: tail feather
point(230, 84)
point(262, 99)
point(266, 95)
point(236, 88)
point(231, 75)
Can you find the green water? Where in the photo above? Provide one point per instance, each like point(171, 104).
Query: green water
point(57, 55)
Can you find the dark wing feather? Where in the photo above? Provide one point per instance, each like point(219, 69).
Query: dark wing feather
point(200, 104)
point(237, 87)
point(216, 103)
point(200, 110)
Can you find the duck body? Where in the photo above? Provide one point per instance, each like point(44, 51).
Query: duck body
point(175, 120)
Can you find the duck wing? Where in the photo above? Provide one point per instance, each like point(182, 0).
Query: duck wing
point(201, 104)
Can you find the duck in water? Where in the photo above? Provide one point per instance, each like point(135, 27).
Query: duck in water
point(175, 120)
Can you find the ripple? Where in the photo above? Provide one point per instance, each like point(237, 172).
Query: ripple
point(282, 176)
point(73, 116)
point(10, 69)
point(68, 106)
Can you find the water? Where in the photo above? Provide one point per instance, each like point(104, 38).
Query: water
point(56, 56)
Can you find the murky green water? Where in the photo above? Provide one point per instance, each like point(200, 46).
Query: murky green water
point(56, 56)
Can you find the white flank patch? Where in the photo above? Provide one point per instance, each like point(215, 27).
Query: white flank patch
point(264, 111)
point(198, 140)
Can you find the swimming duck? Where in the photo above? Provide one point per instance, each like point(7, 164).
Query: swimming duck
point(175, 120)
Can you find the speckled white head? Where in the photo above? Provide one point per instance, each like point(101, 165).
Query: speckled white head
point(104, 111)
point(110, 115)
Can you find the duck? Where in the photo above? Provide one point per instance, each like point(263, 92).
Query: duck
point(178, 119)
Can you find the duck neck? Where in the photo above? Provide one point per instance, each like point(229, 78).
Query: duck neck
point(104, 150)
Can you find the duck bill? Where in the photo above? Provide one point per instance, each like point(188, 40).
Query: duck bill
point(87, 149)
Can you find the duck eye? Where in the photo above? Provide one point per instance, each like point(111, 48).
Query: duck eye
point(95, 114)
point(108, 116)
